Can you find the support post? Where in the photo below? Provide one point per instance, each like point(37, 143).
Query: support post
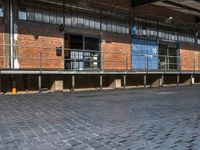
point(73, 83)
point(124, 81)
point(162, 80)
point(25, 78)
point(40, 83)
point(178, 80)
point(101, 82)
point(192, 79)
point(145, 80)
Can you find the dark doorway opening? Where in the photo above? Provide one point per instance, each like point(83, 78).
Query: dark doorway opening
point(82, 52)
point(168, 56)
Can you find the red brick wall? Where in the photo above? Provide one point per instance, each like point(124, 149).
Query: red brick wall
point(37, 39)
point(116, 51)
point(187, 57)
point(116, 48)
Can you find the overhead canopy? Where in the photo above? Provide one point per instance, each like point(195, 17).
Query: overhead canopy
point(187, 6)
point(191, 7)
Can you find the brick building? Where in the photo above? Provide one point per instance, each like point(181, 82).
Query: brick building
point(104, 35)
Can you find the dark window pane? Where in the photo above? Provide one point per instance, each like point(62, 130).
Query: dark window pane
point(68, 19)
point(22, 14)
point(74, 20)
point(53, 17)
point(76, 42)
point(45, 16)
point(59, 18)
point(86, 22)
point(91, 43)
point(30, 14)
point(38, 15)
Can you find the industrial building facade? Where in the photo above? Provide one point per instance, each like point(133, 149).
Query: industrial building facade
point(98, 43)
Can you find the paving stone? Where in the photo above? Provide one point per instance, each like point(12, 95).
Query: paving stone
point(112, 144)
point(74, 142)
point(139, 119)
point(80, 147)
point(96, 145)
point(46, 146)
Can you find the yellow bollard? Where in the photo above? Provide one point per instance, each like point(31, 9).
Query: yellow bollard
point(14, 91)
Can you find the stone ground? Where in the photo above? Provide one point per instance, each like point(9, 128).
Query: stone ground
point(135, 119)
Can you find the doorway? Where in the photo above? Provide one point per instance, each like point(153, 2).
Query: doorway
point(168, 53)
point(82, 52)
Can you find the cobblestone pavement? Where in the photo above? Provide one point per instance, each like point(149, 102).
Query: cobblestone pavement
point(135, 119)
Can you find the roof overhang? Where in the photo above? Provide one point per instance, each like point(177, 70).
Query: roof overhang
point(191, 7)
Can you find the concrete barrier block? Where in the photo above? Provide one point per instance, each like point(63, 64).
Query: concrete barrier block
point(117, 83)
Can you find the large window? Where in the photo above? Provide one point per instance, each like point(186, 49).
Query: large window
point(168, 57)
point(30, 14)
point(46, 16)
point(156, 29)
point(83, 52)
point(77, 17)
point(23, 14)
point(38, 15)
point(1, 8)
point(52, 17)
point(198, 41)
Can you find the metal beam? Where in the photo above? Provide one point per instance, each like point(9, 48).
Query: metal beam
point(136, 3)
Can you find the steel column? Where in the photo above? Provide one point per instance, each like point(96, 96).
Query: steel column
point(162, 80)
point(40, 83)
point(73, 83)
point(178, 80)
point(101, 82)
point(124, 80)
point(191, 79)
point(145, 80)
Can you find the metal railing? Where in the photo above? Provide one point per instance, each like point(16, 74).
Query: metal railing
point(142, 62)
point(47, 58)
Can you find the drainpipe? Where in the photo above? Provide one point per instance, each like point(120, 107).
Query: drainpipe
point(196, 52)
point(11, 34)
